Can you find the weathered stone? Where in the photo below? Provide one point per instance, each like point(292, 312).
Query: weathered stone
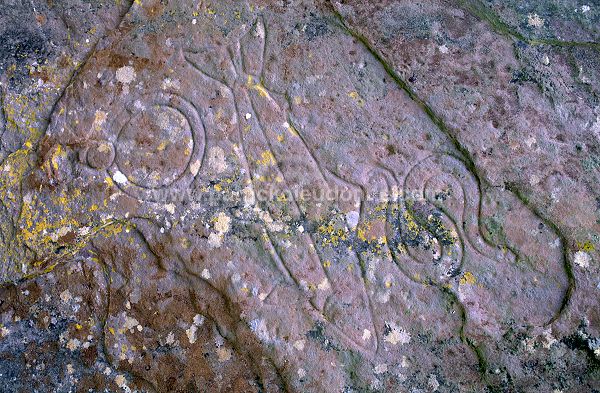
point(313, 197)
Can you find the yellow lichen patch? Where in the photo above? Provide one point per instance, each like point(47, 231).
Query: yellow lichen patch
point(467, 278)
point(267, 158)
point(585, 246)
point(381, 207)
point(99, 119)
point(185, 242)
point(291, 129)
point(258, 87)
point(411, 224)
point(47, 226)
point(11, 174)
point(326, 229)
point(367, 231)
point(112, 228)
point(402, 249)
point(361, 234)
point(65, 200)
point(57, 153)
point(163, 146)
point(332, 234)
point(108, 181)
point(39, 231)
point(20, 113)
point(354, 95)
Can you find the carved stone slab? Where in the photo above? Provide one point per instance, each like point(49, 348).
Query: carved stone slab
point(252, 199)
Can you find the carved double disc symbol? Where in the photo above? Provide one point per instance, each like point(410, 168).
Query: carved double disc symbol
point(160, 149)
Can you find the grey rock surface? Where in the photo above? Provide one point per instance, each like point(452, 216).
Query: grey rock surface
point(304, 196)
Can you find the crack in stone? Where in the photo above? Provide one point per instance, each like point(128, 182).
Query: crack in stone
point(479, 10)
point(470, 164)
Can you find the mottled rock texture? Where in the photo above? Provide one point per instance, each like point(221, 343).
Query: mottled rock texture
point(327, 196)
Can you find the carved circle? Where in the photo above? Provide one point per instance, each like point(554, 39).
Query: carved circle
point(154, 149)
point(429, 222)
point(160, 148)
point(100, 155)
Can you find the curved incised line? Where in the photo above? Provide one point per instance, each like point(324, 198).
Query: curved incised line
point(252, 103)
point(204, 144)
point(515, 251)
point(308, 150)
point(447, 293)
point(226, 320)
point(452, 220)
point(468, 160)
point(259, 22)
point(284, 269)
point(264, 48)
point(481, 11)
point(390, 218)
point(472, 169)
point(204, 73)
point(103, 322)
point(572, 284)
point(359, 257)
point(466, 202)
point(286, 183)
point(447, 214)
point(186, 109)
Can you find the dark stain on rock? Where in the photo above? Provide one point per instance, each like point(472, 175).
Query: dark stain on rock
point(20, 47)
point(315, 28)
point(317, 333)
